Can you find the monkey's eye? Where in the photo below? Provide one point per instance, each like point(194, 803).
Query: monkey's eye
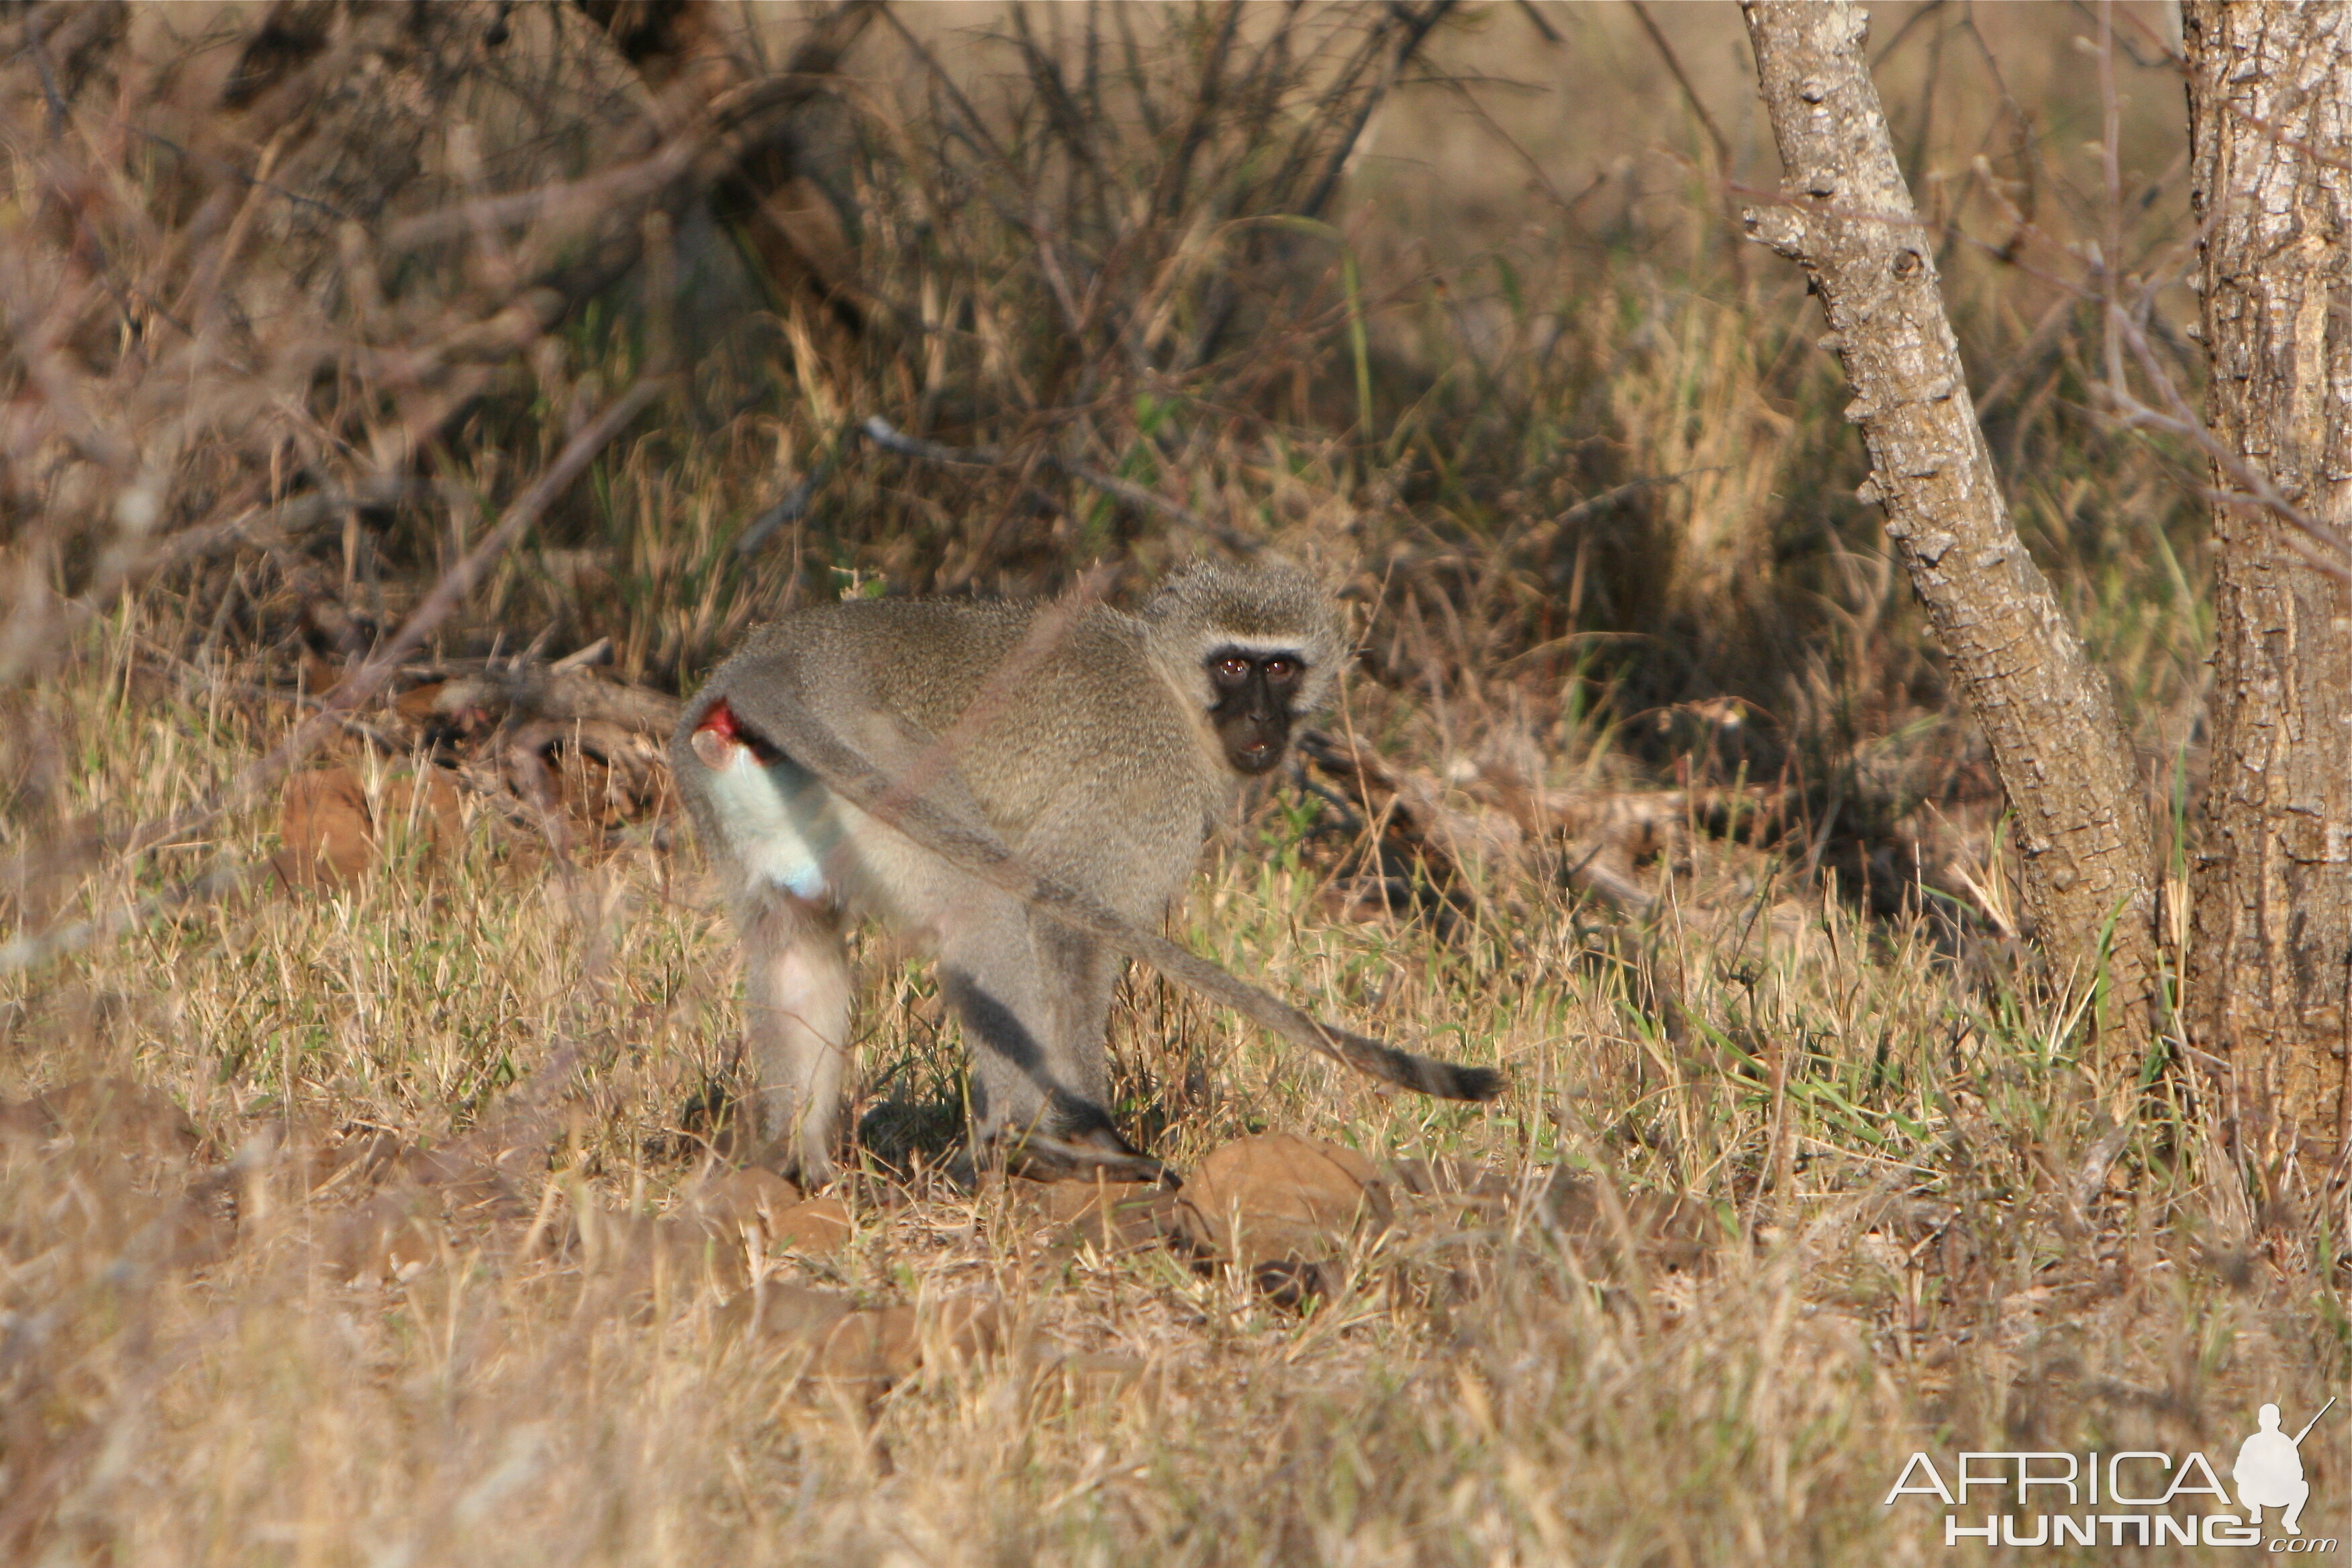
point(1232, 669)
point(1281, 671)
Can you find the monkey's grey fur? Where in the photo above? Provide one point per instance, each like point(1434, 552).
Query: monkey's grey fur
point(1028, 786)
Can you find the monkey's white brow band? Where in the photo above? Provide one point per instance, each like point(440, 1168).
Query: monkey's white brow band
point(1256, 648)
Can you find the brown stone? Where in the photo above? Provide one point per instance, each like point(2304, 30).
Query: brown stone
point(1280, 1197)
point(323, 830)
point(1442, 1179)
point(1114, 1217)
point(870, 1348)
point(389, 1238)
point(886, 1343)
point(630, 1255)
point(328, 834)
point(745, 1201)
point(424, 808)
point(115, 1113)
point(776, 1309)
point(813, 1225)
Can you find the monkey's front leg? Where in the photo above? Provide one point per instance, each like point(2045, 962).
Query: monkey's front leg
point(796, 1014)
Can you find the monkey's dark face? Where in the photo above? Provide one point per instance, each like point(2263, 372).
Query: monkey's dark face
point(1255, 691)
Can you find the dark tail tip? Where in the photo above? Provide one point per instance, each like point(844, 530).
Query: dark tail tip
point(1450, 1080)
point(1468, 1083)
point(1446, 1080)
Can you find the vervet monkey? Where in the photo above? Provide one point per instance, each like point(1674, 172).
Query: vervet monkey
point(1025, 785)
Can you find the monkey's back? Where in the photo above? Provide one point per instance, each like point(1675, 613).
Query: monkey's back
point(1049, 740)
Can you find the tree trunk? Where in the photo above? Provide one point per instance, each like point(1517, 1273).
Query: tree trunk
point(2270, 121)
point(2073, 788)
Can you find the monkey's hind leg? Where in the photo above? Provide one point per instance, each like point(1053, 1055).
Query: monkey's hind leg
point(1032, 997)
point(796, 1015)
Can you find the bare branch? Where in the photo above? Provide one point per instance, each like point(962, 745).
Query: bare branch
point(879, 431)
point(352, 693)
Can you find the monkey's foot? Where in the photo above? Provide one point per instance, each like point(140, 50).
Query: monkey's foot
point(1043, 1157)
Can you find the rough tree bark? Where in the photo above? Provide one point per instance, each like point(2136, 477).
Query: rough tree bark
point(2080, 818)
point(2270, 121)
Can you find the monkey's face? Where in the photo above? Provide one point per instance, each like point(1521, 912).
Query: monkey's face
point(1254, 690)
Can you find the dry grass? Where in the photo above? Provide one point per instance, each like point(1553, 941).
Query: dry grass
point(1593, 501)
point(1487, 1388)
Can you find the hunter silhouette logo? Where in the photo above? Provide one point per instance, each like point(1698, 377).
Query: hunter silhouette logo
point(2268, 1472)
point(2128, 1497)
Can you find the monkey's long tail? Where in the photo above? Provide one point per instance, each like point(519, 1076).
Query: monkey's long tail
point(804, 738)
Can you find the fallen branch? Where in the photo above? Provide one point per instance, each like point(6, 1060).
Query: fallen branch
point(556, 694)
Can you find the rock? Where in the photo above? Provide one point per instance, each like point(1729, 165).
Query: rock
point(423, 808)
point(1449, 1179)
point(813, 1225)
point(323, 830)
point(1084, 1377)
point(328, 834)
point(745, 1202)
point(111, 1114)
point(790, 1315)
point(869, 1348)
point(1280, 1198)
point(390, 1237)
point(1112, 1216)
point(1670, 1232)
